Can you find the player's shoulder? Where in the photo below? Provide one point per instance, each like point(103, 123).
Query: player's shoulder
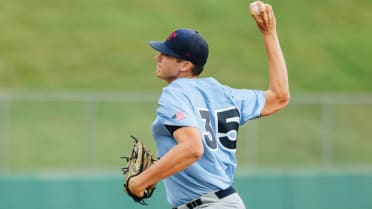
point(175, 90)
point(184, 86)
point(177, 86)
point(212, 85)
point(209, 81)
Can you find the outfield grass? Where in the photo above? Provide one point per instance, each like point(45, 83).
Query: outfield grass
point(102, 44)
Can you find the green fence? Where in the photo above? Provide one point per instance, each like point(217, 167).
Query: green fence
point(261, 191)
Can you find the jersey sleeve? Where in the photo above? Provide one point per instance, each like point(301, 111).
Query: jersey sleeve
point(175, 108)
point(250, 103)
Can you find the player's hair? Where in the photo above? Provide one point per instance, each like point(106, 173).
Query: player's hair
point(196, 70)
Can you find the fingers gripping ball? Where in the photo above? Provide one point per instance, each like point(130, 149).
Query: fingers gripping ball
point(256, 7)
point(139, 160)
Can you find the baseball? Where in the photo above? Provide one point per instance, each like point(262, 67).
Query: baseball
point(256, 8)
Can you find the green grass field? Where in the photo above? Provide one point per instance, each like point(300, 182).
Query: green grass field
point(101, 46)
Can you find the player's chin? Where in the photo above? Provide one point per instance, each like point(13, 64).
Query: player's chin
point(159, 74)
point(158, 71)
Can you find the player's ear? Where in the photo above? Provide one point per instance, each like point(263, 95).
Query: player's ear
point(186, 66)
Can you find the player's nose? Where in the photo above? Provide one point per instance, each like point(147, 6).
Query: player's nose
point(158, 57)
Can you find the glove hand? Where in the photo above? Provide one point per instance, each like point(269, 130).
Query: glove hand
point(134, 188)
point(139, 160)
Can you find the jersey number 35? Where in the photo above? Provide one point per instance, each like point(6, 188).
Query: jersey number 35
point(225, 130)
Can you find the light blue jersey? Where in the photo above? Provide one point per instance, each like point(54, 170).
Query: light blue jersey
point(217, 111)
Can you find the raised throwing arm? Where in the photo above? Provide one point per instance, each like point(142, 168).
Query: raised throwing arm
point(277, 95)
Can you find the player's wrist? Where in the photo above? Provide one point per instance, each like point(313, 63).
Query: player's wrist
point(135, 187)
point(270, 38)
point(270, 33)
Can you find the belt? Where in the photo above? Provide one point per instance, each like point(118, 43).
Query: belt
point(220, 194)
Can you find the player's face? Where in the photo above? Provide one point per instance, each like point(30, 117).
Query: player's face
point(168, 67)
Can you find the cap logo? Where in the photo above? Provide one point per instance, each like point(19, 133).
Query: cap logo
point(172, 36)
point(188, 54)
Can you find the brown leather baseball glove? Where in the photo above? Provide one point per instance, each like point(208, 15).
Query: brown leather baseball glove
point(139, 160)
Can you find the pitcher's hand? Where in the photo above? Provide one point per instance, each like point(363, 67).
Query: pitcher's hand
point(264, 16)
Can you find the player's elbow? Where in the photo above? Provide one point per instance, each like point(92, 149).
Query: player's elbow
point(196, 152)
point(275, 102)
point(281, 97)
point(284, 98)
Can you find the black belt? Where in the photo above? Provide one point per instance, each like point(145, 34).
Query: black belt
point(220, 194)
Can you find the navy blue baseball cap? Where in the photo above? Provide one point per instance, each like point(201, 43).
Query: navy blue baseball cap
point(185, 44)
